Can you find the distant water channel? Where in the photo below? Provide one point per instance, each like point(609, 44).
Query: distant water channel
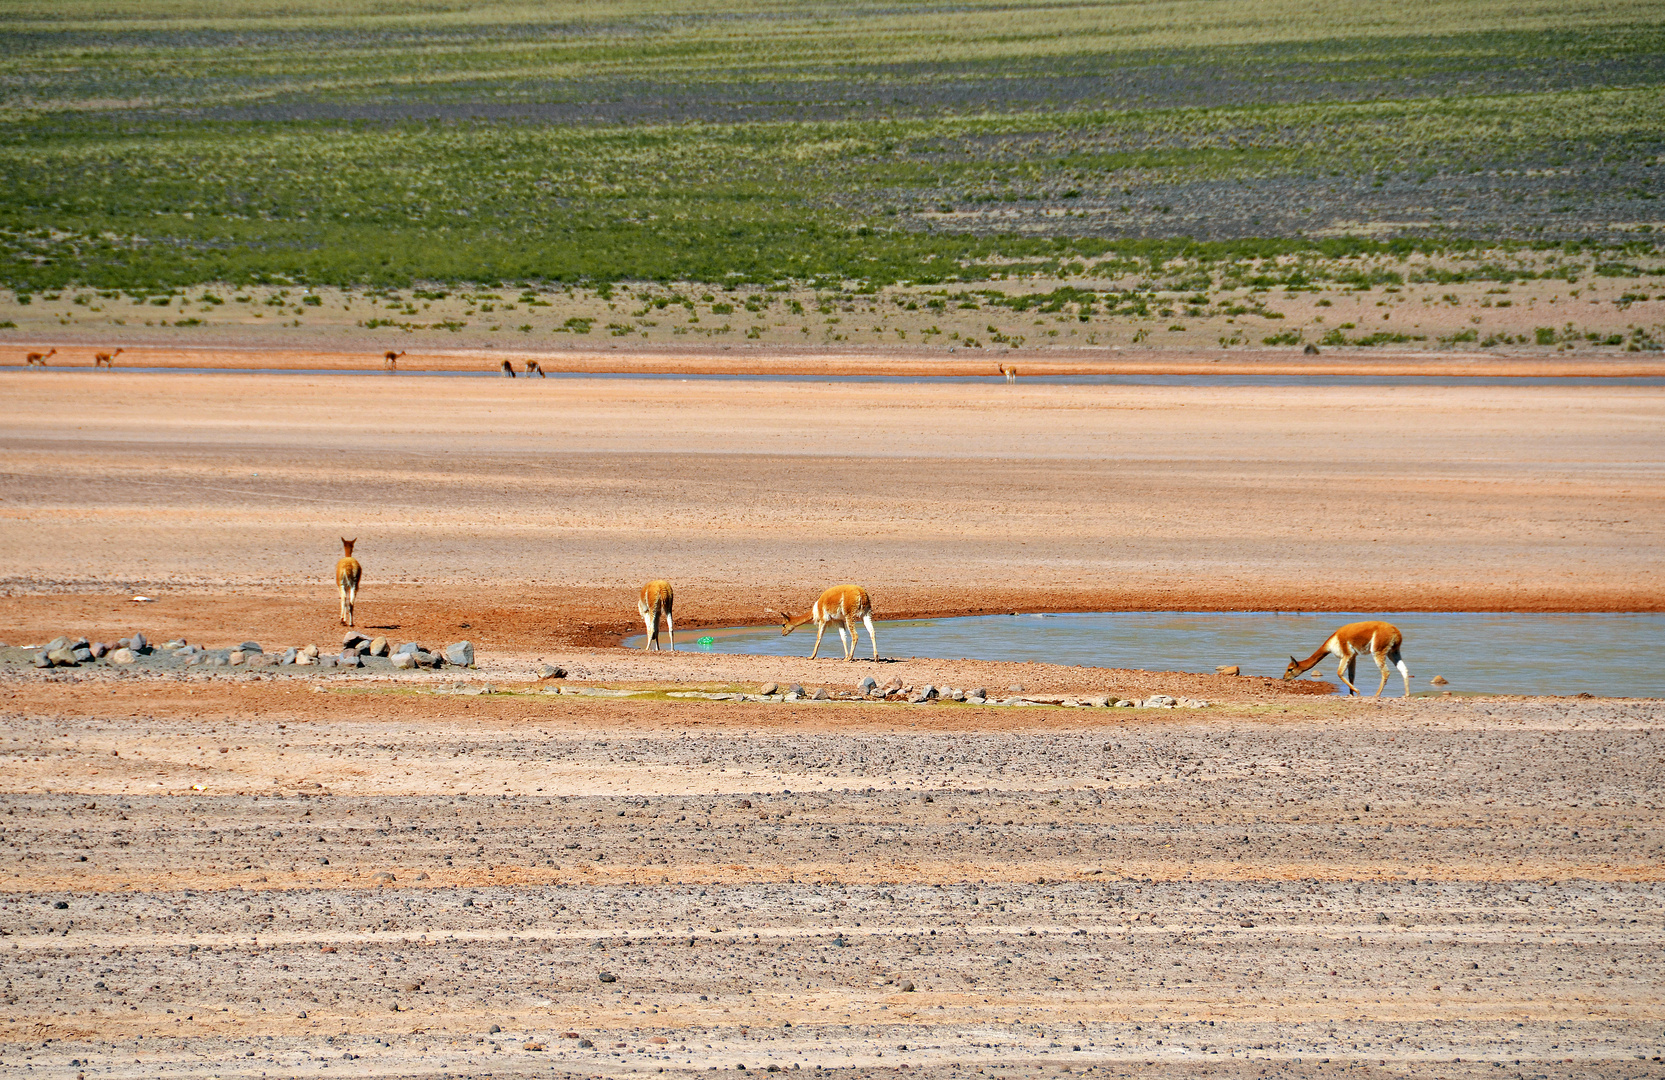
point(1609, 655)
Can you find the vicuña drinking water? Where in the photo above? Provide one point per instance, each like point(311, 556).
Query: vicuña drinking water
point(655, 601)
point(841, 604)
point(1381, 640)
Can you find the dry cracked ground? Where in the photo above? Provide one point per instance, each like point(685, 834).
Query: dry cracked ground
point(393, 882)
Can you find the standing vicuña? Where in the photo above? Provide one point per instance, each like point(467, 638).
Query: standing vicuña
point(507, 368)
point(390, 360)
point(1381, 640)
point(842, 604)
point(105, 359)
point(1009, 372)
point(533, 367)
point(655, 601)
point(36, 359)
point(347, 575)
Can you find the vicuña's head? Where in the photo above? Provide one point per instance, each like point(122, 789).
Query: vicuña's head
point(1293, 670)
point(347, 546)
point(786, 623)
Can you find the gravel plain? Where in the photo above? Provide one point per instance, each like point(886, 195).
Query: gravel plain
point(316, 877)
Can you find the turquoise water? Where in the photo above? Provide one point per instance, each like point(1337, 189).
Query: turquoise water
point(1610, 655)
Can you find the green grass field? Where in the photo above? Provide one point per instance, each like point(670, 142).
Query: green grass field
point(156, 144)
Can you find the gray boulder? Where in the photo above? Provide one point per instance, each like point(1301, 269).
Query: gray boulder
point(123, 656)
point(868, 684)
point(549, 671)
point(82, 655)
point(60, 643)
point(63, 656)
point(251, 647)
point(138, 643)
point(350, 658)
point(404, 661)
point(460, 654)
point(820, 694)
point(289, 655)
point(351, 638)
point(237, 657)
point(42, 660)
point(98, 649)
point(409, 647)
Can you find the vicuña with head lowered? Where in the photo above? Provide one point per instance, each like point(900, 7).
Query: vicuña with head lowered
point(656, 600)
point(841, 604)
point(1379, 639)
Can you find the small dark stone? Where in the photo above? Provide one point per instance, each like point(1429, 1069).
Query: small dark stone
point(61, 905)
point(608, 977)
point(251, 646)
point(585, 1043)
point(493, 1030)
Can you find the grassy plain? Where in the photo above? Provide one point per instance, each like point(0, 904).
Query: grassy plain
point(338, 144)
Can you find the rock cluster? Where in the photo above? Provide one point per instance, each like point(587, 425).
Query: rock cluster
point(356, 649)
point(868, 690)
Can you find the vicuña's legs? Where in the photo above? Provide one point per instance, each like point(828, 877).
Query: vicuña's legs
point(651, 620)
point(670, 628)
point(1382, 663)
point(854, 639)
point(1346, 670)
point(872, 639)
point(819, 630)
point(348, 594)
point(1403, 670)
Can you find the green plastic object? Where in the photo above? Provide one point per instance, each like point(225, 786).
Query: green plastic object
point(706, 641)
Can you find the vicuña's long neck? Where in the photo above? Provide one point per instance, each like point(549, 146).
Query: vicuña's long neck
point(795, 621)
point(1309, 662)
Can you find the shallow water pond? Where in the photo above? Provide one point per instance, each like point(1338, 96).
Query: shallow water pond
point(1610, 655)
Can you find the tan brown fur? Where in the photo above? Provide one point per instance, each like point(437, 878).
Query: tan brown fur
point(105, 359)
point(842, 605)
point(36, 359)
point(1009, 372)
point(348, 573)
point(655, 600)
point(1380, 640)
point(507, 368)
point(390, 360)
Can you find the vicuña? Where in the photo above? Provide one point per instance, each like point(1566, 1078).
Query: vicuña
point(656, 600)
point(1379, 639)
point(347, 575)
point(841, 604)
